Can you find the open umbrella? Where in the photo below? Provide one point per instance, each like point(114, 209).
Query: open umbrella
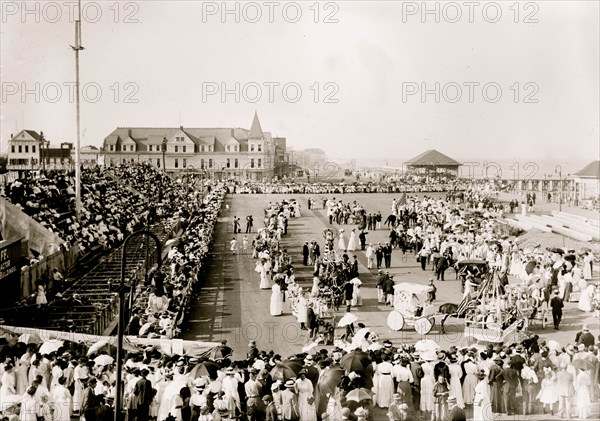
point(205, 368)
point(330, 379)
point(425, 345)
point(359, 395)
point(583, 364)
point(50, 346)
point(104, 360)
point(30, 338)
point(557, 250)
point(348, 319)
point(286, 370)
point(553, 345)
point(218, 353)
point(356, 360)
point(97, 346)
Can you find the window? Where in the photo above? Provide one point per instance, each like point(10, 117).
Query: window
point(252, 147)
point(112, 148)
point(202, 164)
point(176, 148)
point(259, 163)
point(123, 148)
point(235, 163)
point(228, 148)
point(132, 148)
point(183, 148)
point(259, 147)
point(20, 149)
point(26, 148)
point(184, 162)
point(210, 163)
point(210, 148)
point(150, 148)
point(251, 162)
point(12, 148)
point(158, 163)
point(201, 148)
point(176, 162)
point(228, 163)
point(33, 148)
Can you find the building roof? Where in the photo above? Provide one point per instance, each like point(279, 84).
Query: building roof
point(433, 157)
point(255, 131)
point(591, 170)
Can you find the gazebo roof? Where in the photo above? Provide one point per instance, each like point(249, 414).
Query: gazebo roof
point(591, 170)
point(433, 158)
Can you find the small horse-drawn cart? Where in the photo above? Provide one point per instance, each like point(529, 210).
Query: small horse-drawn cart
point(475, 270)
point(411, 308)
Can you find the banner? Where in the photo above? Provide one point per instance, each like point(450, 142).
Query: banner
point(10, 272)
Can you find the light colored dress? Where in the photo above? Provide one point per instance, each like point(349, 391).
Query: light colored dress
point(61, 397)
point(8, 396)
point(352, 241)
point(455, 385)
point(585, 300)
point(427, 383)
point(276, 301)
point(470, 382)
point(587, 267)
point(548, 393)
point(582, 383)
point(342, 242)
point(306, 410)
point(482, 405)
point(41, 296)
point(264, 277)
point(302, 310)
point(385, 389)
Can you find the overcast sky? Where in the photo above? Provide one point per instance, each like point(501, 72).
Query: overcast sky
point(353, 79)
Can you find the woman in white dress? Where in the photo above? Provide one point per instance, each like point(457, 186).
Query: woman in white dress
point(80, 374)
point(306, 404)
point(482, 405)
point(370, 254)
point(470, 382)
point(22, 372)
point(61, 398)
point(582, 383)
point(264, 276)
point(356, 295)
point(385, 389)
point(587, 266)
point(427, 383)
point(585, 300)
point(276, 300)
point(40, 299)
point(342, 240)
point(8, 392)
point(302, 311)
point(455, 385)
point(352, 240)
point(315, 288)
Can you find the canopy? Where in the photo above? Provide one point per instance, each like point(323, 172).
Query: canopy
point(191, 348)
point(416, 289)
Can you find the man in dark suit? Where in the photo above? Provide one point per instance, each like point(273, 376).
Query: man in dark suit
point(143, 395)
point(455, 412)
point(585, 337)
point(442, 265)
point(512, 379)
point(387, 255)
point(379, 255)
point(89, 400)
point(305, 253)
point(496, 382)
point(557, 305)
point(418, 374)
point(362, 237)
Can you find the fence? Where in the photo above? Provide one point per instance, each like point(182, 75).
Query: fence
point(63, 260)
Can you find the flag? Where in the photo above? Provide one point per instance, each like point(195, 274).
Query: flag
point(402, 201)
point(462, 307)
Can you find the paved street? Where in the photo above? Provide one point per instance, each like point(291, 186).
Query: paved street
point(232, 307)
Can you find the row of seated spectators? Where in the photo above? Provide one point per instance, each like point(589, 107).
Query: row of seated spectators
point(109, 210)
point(165, 301)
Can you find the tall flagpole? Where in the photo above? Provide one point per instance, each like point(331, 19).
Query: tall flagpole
point(77, 48)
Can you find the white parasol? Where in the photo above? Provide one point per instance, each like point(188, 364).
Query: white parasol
point(30, 338)
point(553, 345)
point(425, 345)
point(50, 346)
point(348, 319)
point(104, 360)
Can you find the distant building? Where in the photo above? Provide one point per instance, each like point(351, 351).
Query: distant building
point(89, 156)
point(432, 161)
point(221, 153)
point(28, 150)
point(587, 182)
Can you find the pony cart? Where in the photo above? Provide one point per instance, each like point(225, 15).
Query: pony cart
point(412, 309)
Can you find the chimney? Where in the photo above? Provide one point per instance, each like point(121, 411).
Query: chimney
point(11, 136)
point(181, 128)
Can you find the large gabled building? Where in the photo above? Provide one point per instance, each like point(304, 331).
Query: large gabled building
point(220, 153)
point(30, 151)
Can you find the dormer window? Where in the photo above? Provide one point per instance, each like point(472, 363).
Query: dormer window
point(176, 148)
point(252, 147)
point(183, 148)
point(259, 147)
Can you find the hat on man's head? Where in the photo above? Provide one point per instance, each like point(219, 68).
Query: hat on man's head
point(252, 343)
point(289, 383)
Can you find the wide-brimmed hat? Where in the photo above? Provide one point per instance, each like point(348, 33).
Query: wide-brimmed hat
point(229, 370)
point(289, 383)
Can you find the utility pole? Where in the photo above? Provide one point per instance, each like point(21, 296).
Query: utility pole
point(77, 48)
